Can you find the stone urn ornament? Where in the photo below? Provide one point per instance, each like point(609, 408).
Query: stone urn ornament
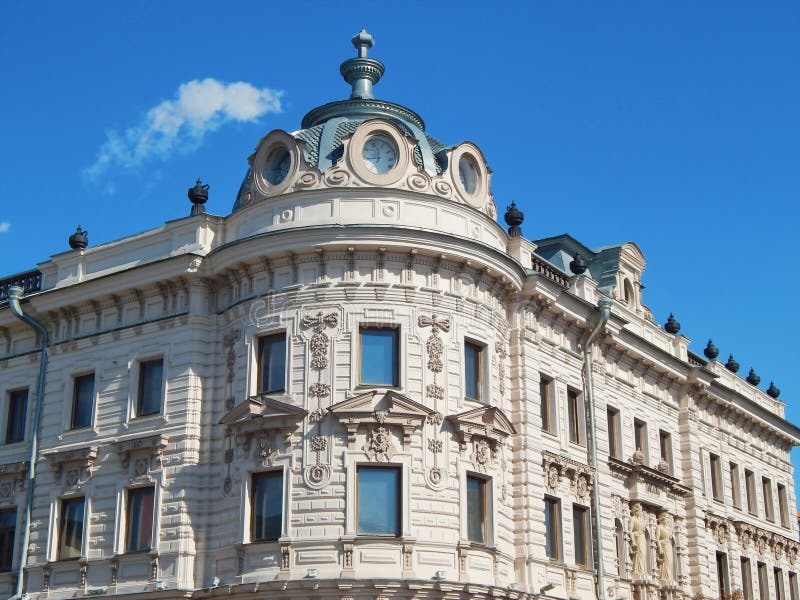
point(79, 240)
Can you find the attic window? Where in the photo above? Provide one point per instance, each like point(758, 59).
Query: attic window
point(628, 291)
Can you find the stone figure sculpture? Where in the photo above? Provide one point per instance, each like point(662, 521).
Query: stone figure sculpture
point(636, 527)
point(665, 549)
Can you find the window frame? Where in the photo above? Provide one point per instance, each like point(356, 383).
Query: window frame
point(398, 470)
point(11, 425)
point(398, 367)
point(280, 472)
point(128, 521)
point(548, 409)
point(259, 348)
point(61, 525)
point(763, 581)
point(769, 501)
point(138, 413)
point(553, 532)
point(8, 539)
point(793, 591)
point(485, 502)
point(783, 505)
point(736, 492)
point(780, 589)
point(640, 431)
point(480, 384)
point(665, 449)
point(723, 573)
point(717, 486)
point(614, 425)
point(747, 577)
point(75, 383)
point(576, 417)
point(750, 492)
point(581, 514)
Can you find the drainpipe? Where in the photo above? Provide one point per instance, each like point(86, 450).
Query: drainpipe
point(14, 296)
point(605, 312)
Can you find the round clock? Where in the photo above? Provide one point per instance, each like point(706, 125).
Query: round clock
point(468, 174)
point(277, 165)
point(379, 154)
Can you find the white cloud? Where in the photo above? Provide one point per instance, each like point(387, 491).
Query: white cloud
point(4, 226)
point(174, 125)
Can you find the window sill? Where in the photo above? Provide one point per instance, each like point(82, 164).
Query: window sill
point(152, 418)
point(17, 443)
point(378, 537)
point(372, 386)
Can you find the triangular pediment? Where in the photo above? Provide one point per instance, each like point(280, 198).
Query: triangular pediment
point(393, 403)
point(488, 421)
point(359, 403)
point(266, 412)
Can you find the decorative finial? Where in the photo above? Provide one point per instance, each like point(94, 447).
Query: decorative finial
point(672, 326)
point(772, 391)
point(199, 196)
point(711, 351)
point(578, 265)
point(753, 378)
point(362, 72)
point(79, 240)
point(514, 218)
point(732, 365)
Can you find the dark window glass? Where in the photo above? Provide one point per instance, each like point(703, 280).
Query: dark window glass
point(783, 505)
point(8, 527)
point(472, 370)
point(267, 506)
point(476, 509)
point(82, 401)
point(716, 477)
point(380, 357)
point(769, 507)
point(545, 396)
point(614, 433)
point(736, 493)
point(70, 535)
point(793, 592)
point(580, 528)
point(750, 490)
point(747, 579)
point(140, 519)
point(378, 500)
point(763, 582)
point(272, 364)
point(665, 443)
point(17, 408)
point(575, 417)
point(640, 437)
point(722, 574)
point(151, 379)
point(552, 525)
point(780, 592)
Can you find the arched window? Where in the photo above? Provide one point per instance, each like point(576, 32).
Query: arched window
point(619, 543)
point(628, 291)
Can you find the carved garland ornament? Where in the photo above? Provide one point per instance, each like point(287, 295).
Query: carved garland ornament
point(434, 391)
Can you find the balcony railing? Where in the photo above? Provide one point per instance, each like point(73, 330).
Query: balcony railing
point(550, 272)
point(29, 281)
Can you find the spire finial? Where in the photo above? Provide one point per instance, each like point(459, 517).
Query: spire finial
point(361, 71)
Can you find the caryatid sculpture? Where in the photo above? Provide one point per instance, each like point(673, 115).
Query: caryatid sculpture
point(636, 527)
point(665, 549)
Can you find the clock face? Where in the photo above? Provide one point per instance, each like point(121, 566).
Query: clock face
point(468, 173)
point(277, 166)
point(379, 154)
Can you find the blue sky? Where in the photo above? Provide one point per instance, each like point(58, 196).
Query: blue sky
point(671, 124)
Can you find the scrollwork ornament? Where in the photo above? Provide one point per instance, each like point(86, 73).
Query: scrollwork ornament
point(417, 182)
point(337, 177)
point(443, 188)
point(308, 180)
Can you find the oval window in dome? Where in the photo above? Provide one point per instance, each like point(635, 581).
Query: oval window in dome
point(468, 174)
point(277, 165)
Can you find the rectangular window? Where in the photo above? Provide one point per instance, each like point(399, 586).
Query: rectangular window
point(8, 528)
point(783, 505)
point(151, 382)
point(736, 492)
point(266, 506)
point(473, 370)
point(70, 530)
point(576, 420)
point(750, 491)
point(378, 500)
point(580, 529)
point(82, 401)
point(769, 507)
point(640, 437)
point(793, 591)
point(747, 579)
point(547, 399)
point(272, 363)
point(722, 575)
point(614, 433)
point(552, 525)
point(17, 409)
point(716, 478)
point(763, 582)
point(380, 356)
point(139, 535)
point(476, 509)
point(780, 592)
point(665, 444)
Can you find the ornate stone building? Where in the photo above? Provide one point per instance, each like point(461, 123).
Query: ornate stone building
point(359, 385)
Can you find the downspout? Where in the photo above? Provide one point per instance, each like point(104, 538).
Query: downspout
point(14, 295)
point(605, 312)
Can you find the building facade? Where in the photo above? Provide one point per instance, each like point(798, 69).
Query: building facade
point(359, 385)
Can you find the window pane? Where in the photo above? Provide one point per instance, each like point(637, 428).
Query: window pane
point(71, 531)
point(613, 433)
point(272, 359)
point(151, 375)
point(17, 407)
point(573, 405)
point(267, 506)
point(140, 519)
point(476, 510)
point(544, 396)
point(378, 509)
point(8, 526)
point(472, 371)
point(379, 357)
point(579, 528)
point(83, 401)
point(552, 523)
